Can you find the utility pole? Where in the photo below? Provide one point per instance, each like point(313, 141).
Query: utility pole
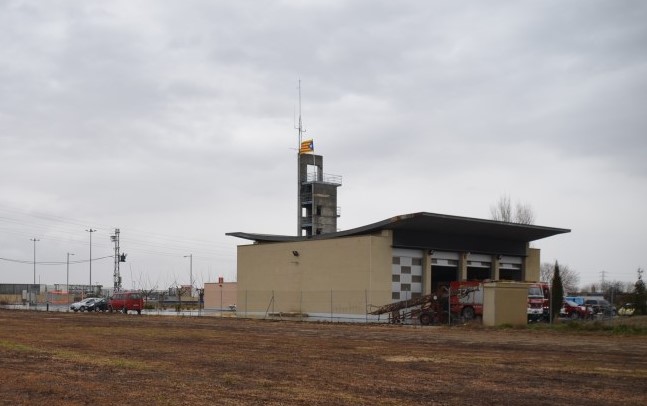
point(30, 289)
point(34, 240)
point(67, 279)
point(90, 231)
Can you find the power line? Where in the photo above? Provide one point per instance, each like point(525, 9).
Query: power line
point(53, 262)
point(82, 223)
point(68, 227)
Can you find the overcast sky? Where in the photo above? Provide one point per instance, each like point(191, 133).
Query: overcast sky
point(174, 121)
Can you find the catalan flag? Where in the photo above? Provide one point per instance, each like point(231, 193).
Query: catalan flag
point(307, 146)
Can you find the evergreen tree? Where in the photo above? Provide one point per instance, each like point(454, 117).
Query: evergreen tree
point(556, 293)
point(640, 295)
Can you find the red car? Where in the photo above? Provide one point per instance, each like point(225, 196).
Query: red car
point(573, 311)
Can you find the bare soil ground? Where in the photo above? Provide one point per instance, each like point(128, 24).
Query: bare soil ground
point(91, 359)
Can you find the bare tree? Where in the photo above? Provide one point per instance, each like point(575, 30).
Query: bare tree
point(546, 272)
point(161, 296)
point(611, 290)
point(179, 292)
point(614, 286)
point(640, 293)
point(570, 277)
point(524, 214)
point(502, 211)
point(147, 287)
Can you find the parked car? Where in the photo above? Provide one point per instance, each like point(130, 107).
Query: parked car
point(125, 301)
point(573, 311)
point(627, 309)
point(600, 306)
point(83, 305)
point(99, 305)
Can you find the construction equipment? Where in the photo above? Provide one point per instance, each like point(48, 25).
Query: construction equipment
point(427, 309)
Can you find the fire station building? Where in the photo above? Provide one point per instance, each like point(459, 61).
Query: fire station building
point(395, 259)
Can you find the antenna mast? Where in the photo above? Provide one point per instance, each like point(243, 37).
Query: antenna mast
point(301, 131)
point(118, 259)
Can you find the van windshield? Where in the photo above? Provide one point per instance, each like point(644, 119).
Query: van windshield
point(535, 291)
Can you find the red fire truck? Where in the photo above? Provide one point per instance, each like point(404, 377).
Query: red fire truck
point(538, 302)
point(466, 299)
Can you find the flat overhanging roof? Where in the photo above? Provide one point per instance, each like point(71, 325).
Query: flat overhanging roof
point(429, 223)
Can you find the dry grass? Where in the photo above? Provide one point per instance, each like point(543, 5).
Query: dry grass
point(88, 359)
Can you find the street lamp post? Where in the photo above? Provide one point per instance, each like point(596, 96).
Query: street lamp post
point(190, 256)
point(90, 231)
point(67, 279)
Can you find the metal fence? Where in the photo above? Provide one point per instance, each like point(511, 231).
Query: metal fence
point(328, 305)
point(323, 305)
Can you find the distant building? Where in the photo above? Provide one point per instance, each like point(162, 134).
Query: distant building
point(220, 295)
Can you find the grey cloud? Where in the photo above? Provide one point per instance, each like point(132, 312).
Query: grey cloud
point(147, 103)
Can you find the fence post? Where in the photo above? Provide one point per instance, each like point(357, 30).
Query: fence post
point(449, 305)
point(366, 304)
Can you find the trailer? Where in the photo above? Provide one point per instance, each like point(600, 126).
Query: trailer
point(426, 309)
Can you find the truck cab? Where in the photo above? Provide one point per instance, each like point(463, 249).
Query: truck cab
point(536, 302)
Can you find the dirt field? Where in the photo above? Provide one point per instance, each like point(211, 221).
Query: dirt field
point(90, 359)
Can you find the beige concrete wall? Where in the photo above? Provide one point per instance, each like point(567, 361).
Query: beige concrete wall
point(426, 273)
point(496, 263)
point(505, 303)
point(532, 265)
point(220, 295)
point(40, 298)
point(10, 299)
point(462, 266)
point(342, 274)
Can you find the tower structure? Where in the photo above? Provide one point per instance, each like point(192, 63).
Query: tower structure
point(317, 196)
point(116, 276)
point(316, 191)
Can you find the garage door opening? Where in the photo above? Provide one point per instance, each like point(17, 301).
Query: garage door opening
point(443, 271)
